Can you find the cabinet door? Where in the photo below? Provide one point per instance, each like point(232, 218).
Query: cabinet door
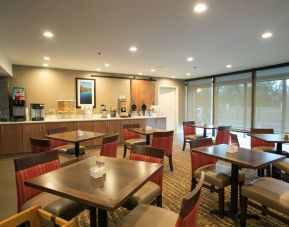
point(100, 127)
point(70, 126)
point(85, 126)
point(11, 139)
point(161, 123)
point(113, 126)
point(31, 130)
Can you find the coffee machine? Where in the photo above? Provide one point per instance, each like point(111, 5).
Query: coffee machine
point(37, 112)
point(122, 107)
point(18, 104)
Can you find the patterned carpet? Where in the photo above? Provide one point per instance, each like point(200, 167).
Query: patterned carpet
point(176, 186)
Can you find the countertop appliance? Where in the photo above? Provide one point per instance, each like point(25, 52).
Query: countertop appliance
point(18, 104)
point(122, 107)
point(37, 112)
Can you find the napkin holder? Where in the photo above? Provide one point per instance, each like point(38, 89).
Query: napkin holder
point(148, 127)
point(97, 172)
point(232, 149)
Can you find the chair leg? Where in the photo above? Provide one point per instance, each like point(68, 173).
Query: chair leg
point(244, 205)
point(124, 151)
point(160, 201)
point(241, 183)
point(171, 162)
point(221, 193)
point(194, 183)
point(184, 145)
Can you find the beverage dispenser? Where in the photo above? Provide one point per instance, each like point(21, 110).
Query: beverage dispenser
point(122, 107)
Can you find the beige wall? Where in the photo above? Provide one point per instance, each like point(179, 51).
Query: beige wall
point(46, 85)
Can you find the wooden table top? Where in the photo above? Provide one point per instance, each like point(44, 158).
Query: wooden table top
point(144, 131)
point(207, 126)
point(73, 136)
point(123, 178)
point(244, 157)
point(274, 138)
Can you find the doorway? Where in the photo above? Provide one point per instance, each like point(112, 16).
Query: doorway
point(168, 102)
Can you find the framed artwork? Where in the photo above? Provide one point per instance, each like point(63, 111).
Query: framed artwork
point(85, 92)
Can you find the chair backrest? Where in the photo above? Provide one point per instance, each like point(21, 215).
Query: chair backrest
point(223, 135)
point(39, 145)
point(189, 128)
point(199, 160)
point(190, 206)
point(127, 134)
point(234, 139)
point(109, 146)
point(57, 143)
point(149, 154)
point(163, 140)
point(32, 166)
point(260, 143)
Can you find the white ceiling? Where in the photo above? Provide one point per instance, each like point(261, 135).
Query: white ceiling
point(166, 32)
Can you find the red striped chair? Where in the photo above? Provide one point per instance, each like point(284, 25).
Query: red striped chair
point(109, 146)
point(217, 176)
point(164, 140)
point(223, 135)
point(39, 145)
point(234, 140)
point(131, 138)
point(32, 166)
point(189, 132)
point(152, 190)
point(146, 215)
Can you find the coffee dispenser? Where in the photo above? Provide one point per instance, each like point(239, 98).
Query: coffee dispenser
point(37, 112)
point(122, 107)
point(18, 104)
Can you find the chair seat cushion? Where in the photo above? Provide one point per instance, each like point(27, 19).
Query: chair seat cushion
point(270, 192)
point(146, 194)
point(264, 148)
point(69, 149)
point(146, 215)
point(191, 137)
point(283, 165)
point(217, 174)
point(61, 207)
point(136, 141)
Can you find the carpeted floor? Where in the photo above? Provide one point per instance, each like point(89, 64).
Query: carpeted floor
point(176, 185)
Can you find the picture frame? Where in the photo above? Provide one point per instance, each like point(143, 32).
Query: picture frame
point(85, 92)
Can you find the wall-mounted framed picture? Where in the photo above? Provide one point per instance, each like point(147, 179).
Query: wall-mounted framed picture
point(85, 92)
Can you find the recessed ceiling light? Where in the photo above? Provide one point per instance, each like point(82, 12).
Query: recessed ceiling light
point(133, 49)
point(106, 64)
point(229, 66)
point(140, 74)
point(153, 70)
point(188, 74)
point(98, 69)
point(190, 59)
point(200, 8)
point(173, 77)
point(48, 34)
point(267, 35)
point(45, 64)
point(46, 58)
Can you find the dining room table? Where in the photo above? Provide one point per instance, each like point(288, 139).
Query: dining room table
point(205, 127)
point(243, 158)
point(75, 137)
point(279, 139)
point(147, 132)
point(122, 179)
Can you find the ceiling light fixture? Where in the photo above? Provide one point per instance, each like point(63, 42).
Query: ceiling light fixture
point(153, 70)
point(200, 8)
point(98, 69)
point(267, 35)
point(46, 58)
point(106, 64)
point(140, 74)
point(190, 59)
point(173, 77)
point(45, 64)
point(133, 49)
point(188, 74)
point(48, 34)
point(228, 66)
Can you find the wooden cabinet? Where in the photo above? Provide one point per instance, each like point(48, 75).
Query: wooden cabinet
point(142, 90)
point(11, 139)
point(31, 130)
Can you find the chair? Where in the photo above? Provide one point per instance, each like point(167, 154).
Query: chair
point(189, 132)
point(223, 135)
point(234, 140)
point(146, 215)
point(164, 140)
point(39, 145)
point(131, 138)
point(32, 166)
point(151, 191)
point(63, 146)
point(281, 168)
point(271, 193)
point(216, 175)
point(109, 146)
point(35, 216)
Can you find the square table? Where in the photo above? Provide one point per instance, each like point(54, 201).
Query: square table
point(244, 158)
point(205, 127)
point(146, 132)
point(123, 178)
point(74, 137)
point(272, 138)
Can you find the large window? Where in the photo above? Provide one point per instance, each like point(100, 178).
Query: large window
point(200, 101)
point(233, 101)
point(272, 100)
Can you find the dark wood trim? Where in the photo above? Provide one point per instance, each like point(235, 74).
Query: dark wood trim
point(262, 131)
point(40, 142)
point(35, 159)
point(163, 134)
point(201, 142)
point(224, 128)
point(189, 123)
point(148, 151)
point(110, 139)
point(126, 126)
point(56, 130)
